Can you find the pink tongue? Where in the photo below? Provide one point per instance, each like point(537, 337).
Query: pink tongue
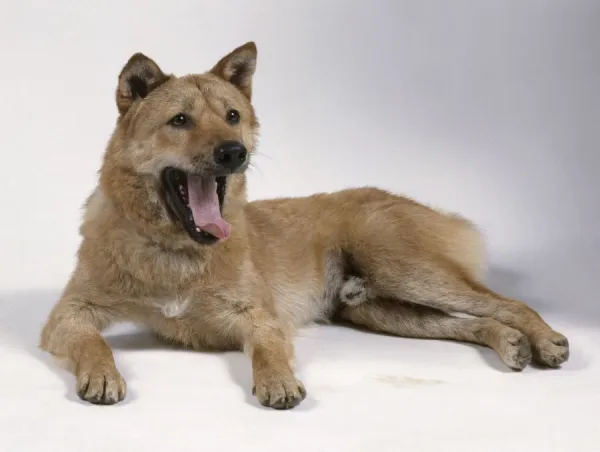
point(204, 202)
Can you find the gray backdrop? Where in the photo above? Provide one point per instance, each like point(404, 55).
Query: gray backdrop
point(488, 108)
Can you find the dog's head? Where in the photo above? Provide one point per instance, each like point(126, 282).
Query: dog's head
point(188, 140)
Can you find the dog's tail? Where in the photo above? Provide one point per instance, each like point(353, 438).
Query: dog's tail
point(466, 246)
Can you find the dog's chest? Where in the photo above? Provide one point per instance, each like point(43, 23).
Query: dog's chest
point(172, 308)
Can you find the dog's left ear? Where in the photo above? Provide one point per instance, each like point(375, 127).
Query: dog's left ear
point(238, 68)
point(137, 79)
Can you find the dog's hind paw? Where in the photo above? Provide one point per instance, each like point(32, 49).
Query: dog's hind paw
point(515, 349)
point(551, 350)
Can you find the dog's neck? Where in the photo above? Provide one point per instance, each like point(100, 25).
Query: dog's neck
point(134, 196)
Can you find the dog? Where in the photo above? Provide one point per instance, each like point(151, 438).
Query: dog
point(170, 241)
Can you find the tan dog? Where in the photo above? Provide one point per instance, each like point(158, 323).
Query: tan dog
point(170, 241)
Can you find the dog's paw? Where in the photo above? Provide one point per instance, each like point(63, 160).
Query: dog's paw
point(281, 393)
point(514, 349)
point(101, 385)
point(551, 349)
point(354, 291)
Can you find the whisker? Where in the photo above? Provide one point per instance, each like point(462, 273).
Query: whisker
point(262, 154)
point(252, 166)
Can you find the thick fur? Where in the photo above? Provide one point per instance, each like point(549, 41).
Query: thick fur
point(288, 262)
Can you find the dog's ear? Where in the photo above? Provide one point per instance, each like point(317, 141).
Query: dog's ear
point(238, 68)
point(137, 79)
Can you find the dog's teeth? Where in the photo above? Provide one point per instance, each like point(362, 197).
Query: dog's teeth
point(197, 229)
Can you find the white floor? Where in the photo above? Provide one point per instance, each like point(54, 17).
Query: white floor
point(367, 392)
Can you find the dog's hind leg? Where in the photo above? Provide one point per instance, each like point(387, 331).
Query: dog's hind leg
point(408, 320)
point(72, 333)
point(446, 287)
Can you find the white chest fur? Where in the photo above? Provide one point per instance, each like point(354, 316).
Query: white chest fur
point(174, 308)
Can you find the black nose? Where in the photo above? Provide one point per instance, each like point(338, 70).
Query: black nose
point(231, 154)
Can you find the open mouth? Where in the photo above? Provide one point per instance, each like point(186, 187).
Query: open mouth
point(196, 202)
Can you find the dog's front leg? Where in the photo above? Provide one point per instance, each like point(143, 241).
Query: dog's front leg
point(72, 333)
point(272, 352)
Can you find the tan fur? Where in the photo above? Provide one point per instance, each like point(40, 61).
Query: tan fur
point(285, 264)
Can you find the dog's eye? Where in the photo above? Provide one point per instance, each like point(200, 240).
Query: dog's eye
point(233, 117)
point(179, 120)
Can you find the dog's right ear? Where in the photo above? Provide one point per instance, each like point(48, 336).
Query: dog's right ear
point(137, 79)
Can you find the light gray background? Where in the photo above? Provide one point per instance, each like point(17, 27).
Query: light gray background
point(490, 108)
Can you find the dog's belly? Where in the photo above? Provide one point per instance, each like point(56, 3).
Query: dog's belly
point(301, 304)
point(310, 298)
